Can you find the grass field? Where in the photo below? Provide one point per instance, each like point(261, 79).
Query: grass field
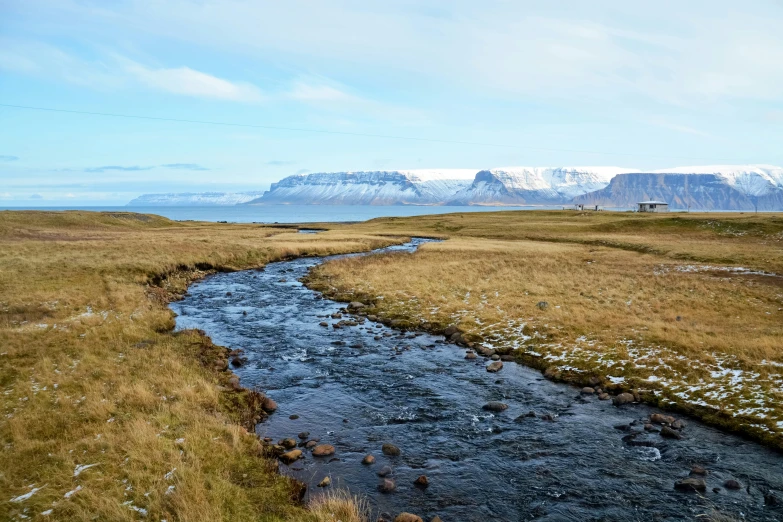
point(108, 415)
point(685, 307)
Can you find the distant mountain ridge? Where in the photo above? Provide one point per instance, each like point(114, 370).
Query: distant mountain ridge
point(381, 187)
point(194, 199)
point(732, 188)
point(711, 187)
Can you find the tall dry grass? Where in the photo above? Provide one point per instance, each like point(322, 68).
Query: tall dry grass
point(107, 415)
point(647, 300)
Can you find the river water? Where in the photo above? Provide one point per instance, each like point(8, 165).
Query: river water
point(359, 387)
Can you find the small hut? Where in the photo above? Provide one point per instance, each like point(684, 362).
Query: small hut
point(653, 206)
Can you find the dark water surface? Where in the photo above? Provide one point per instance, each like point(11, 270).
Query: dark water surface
point(357, 392)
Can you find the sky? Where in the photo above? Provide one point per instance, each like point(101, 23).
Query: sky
point(309, 86)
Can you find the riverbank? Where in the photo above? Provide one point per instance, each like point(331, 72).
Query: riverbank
point(683, 310)
point(108, 414)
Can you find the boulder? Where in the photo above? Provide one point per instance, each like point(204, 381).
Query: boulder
point(304, 435)
point(325, 482)
point(623, 398)
point(356, 305)
point(291, 456)
point(604, 396)
point(495, 357)
point(391, 450)
point(495, 366)
point(385, 471)
point(669, 433)
point(698, 471)
point(310, 444)
point(691, 484)
point(660, 418)
point(368, 459)
point(407, 517)
point(494, 406)
point(387, 486)
point(422, 481)
point(588, 390)
point(732, 484)
point(470, 356)
point(436, 518)
point(678, 424)
point(268, 405)
point(451, 330)
point(323, 450)
point(287, 443)
point(323, 323)
point(484, 351)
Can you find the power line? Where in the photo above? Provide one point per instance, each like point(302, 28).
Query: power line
point(345, 133)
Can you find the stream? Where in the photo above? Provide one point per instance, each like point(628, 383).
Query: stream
point(361, 386)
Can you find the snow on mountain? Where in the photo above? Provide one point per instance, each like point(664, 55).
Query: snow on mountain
point(194, 199)
point(535, 185)
point(751, 180)
point(714, 187)
point(385, 187)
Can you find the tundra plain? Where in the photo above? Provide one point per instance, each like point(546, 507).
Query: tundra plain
point(109, 414)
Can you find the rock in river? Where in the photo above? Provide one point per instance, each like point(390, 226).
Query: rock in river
point(391, 450)
point(691, 484)
point(660, 418)
point(323, 450)
point(325, 482)
point(368, 459)
point(623, 398)
point(669, 433)
point(407, 517)
point(470, 355)
point(495, 366)
point(291, 456)
point(732, 484)
point(387, 486)
point(494, 406)
point(268, 405)
point(422, 481)
point(287, 443)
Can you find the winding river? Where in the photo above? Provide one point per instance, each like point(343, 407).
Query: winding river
point(361, 386)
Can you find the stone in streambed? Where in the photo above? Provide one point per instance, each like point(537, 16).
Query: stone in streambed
point(325, 482)
point(660, 418)
point(623, 398)
point(495, 366)
point(385, 471)
point(588, 390)
point(268, 405)
point(323, 450)
point(470, 356)
point(732, 484)
point(494, 406)
point(387, 486)
point(407, 517)
point(422, 482)
point(691, 484)
point(391, 450)
point(291, 456)
point(304, 435)
point(669, 433)
point(287, 443)
point(368, 459)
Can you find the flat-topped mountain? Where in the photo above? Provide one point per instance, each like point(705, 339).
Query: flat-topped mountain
point(381, 187)
point(717, 187)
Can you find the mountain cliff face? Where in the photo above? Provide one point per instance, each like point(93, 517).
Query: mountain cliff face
point(534, 185)
point(682, 191)
point(393, 187)
point(194, 199)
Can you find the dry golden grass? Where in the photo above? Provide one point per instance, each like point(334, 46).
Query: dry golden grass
point(643, 299)
point(107, 413)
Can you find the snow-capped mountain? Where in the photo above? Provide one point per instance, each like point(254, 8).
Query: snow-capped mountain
point(714, 187)
point(534, 185)
point(753, 180)
point(385, 187)
point(194, 199)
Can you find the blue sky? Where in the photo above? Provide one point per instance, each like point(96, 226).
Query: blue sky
point(635, 84)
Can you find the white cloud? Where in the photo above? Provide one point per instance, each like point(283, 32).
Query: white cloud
point(189, 82)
